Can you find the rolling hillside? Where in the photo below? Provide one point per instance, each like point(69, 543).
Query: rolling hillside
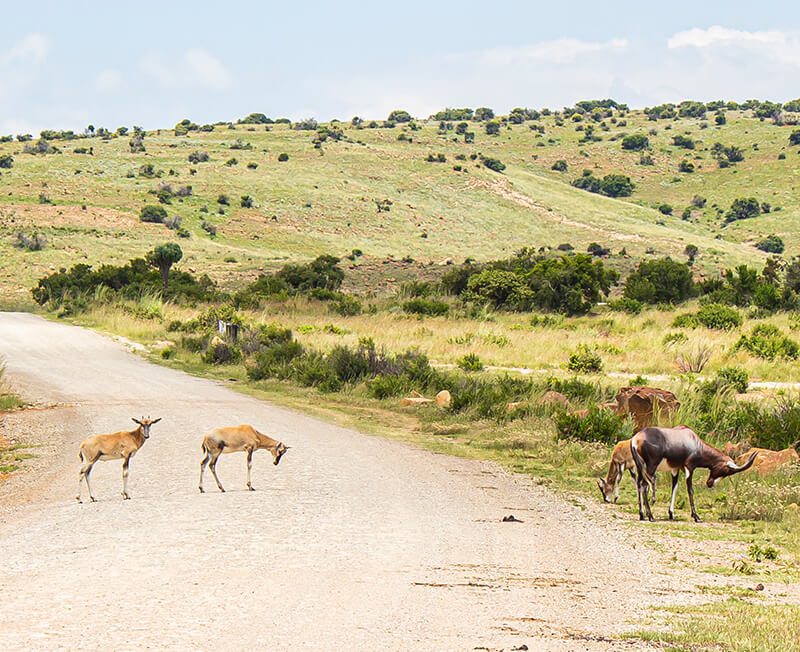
point(325, 200)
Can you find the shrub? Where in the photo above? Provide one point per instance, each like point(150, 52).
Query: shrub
point(674, 338)
point(742, 209)
point(198, 157)
point(399, 116)
point(494, 164)
point(630, 306)
point(151, 213)
point(686, 167)
point(500, 288)
point(683, 141)
point(221, 353)
point(735, 377)
point(665, 209)
point(585, 360)
point(617, 185)
point(794, 137)
point(6, 161)
point(598, 426)
point(635, 142)
point(717, 316)
point(597, 250)
point(559, 166)
point(470, 362)
point(35, 242)
point(430, 307)
point(573, 388)
point(209, 228)
point(660, 281)
point(346, 306)
point(283, 156)
point(492, 127)
point(387, 385)
point(772, 244)
point(246, 201)
point(768, 342)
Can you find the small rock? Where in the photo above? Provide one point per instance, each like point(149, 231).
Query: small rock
point(759, 587)
point(511, 519)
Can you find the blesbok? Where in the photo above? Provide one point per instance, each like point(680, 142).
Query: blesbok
point(233, 439)
point(621, 461)
point(113, 446)
point(682, 450)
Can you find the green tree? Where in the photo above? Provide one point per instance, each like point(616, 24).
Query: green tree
point(659, 281)
point(483, 113)
point(635, 142)
point(399, 116)
point(493, 127)
point(163, 257)
point(151, 213)
point(616, 185)
point(742, 209)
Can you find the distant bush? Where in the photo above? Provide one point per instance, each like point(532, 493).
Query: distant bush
point(35, 242)
point(768, 342)
point(742, 209)
point(794, 137)
point(198, 157)
point(683, 141)
point(772, 244)
point(660, 281)
point(559, 166)
point(494, 164)
point(585, 360)
point(151, 213)
point(617, 185)
point(598, 426)
point(283, 156)
point(470, 362)
point(346, 306)
point(665, 209)
point(635, 142)
point(735, 377)
point(493, 127)
point(630, 306)
point(246, 201)
point(710, 315)
point(6, 161)
point(399, 116)
point(687, 167)
point(429, 307)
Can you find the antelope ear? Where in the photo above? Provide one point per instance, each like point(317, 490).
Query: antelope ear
point(157, 420)
point(136, 421)
point(602, 484)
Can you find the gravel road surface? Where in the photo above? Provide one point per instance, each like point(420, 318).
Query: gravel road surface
point(352, 543)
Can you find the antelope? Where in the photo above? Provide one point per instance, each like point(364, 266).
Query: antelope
point(233, 439)
point(621, 461)
point(114, 446)
point(681, 449)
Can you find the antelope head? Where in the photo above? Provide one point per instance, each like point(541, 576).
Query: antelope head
point(280, 450)
point(145, 424)
point(728, 468)
point(607, 490)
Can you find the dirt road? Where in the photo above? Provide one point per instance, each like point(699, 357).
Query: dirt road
point(353, 542)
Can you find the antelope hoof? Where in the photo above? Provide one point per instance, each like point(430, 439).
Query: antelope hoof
point(201, 490)
point(651, 519)
point(78, 498)
point(249, 488)
point(671, 516)
point(92, 498)
point(125, 496)
point(221, 490)
point(696, 518)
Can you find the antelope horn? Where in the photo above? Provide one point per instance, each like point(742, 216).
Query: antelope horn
point(745, 466)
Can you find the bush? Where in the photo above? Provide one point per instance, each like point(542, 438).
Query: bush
point(683, 141)
point(660, 281)
point(198, 157)
point(494, 164)
point(6, 161)
point(559, 166)
point(346, 306)
point(573, 388)
point(35, 242)
point(399, 116)
point(246, 201)
point(742, 209)
point(635, 142)
point(598, 426)
point(386, 386)
point(617, 185)
point(154, 214)
point(772, 244)
point(500, 288)
point(429, 307)
point(686, 167)
point(794, 137)
point(630, 306)
point(221, 353)
point(470, 362)
point(710, 315)
point(735, 377)
point(283, 156)
point(585, 360)
point(768, 342)
point(665, 209)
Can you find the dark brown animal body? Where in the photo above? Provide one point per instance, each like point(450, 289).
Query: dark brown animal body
point(682, 450)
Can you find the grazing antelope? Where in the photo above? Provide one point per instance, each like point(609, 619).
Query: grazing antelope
point(621, 461)
point(681, 449)
point(233, 439)
point(114, 446)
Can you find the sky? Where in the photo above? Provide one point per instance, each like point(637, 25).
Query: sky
point(65, 65)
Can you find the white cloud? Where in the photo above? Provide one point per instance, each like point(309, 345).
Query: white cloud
point(701, 38)
point(31, 48)
point(195, 68)
point(560, 51)
point(206, 70)
point(108, 80)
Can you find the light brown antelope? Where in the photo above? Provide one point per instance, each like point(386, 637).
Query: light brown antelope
point(621, 461)
point(114, 446)
point(233, 439)
point(682, 450)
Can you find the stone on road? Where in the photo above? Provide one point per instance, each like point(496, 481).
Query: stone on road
point(352, 542)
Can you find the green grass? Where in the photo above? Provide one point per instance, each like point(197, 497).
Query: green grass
point(734, 624)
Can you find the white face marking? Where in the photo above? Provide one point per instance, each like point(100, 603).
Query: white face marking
point(715, 481)
point(732, 465)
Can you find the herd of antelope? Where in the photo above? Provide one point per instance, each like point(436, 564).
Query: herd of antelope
point(650, 450)
point(124, 444)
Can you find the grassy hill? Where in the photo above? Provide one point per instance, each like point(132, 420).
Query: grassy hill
point(324, 199)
